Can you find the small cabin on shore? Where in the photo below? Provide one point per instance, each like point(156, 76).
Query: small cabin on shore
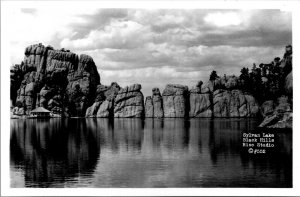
point(40, 112)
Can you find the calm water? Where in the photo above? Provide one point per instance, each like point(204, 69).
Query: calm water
point(144, 153)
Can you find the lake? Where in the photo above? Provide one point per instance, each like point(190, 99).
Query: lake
point(144, 153)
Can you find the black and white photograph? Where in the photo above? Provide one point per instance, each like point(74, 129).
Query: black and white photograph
point(138, 97)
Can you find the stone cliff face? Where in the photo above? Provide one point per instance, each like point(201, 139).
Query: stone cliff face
point(129, 102)
point(234, 103)
point(175, 104)
point(103, 106)
point(222, 103)
point(200, 103)
point(69, 85)
point(58, 80)
point(154, 105)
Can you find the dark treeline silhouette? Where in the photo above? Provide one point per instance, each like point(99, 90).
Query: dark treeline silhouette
point(266, 81)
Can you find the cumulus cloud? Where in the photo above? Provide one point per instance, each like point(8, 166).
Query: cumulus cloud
point(157, 46)
point(220, 19)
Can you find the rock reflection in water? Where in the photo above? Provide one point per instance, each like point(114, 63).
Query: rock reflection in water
point(50, 152)
point(143, 153)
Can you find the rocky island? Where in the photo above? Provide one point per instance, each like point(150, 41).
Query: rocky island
point(69, 85)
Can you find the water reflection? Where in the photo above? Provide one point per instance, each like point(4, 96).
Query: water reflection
point(51, 151)
point(144, 153)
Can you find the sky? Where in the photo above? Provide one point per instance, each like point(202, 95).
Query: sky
point(155, 47)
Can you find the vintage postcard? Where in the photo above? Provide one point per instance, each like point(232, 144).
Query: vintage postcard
point(182, 97)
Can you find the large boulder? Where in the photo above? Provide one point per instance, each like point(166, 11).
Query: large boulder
point(200, 104)
point(283, 105)
point(282, 120)
point(129, 102)
point(267, 108)
point(210, 86)
point(175, 100)
point(282, 116)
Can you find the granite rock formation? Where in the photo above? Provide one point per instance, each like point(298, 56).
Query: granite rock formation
point(59, 80)
point(200, 104)
point(281, 115)
point(226, 82)
point(234, 103)
point(149, 107)
point(222, 100)
point(104, 101)
point(69, 85)
point(154, 105)
point(267, 108)
point(129, 102)
point(175, 101)
point(289, 84)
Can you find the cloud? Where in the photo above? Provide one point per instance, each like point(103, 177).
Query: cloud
point(220, 19)
point(97, 21)
point(155, 46)
point(116, 35)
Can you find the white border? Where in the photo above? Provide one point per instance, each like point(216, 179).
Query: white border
point(293, 6)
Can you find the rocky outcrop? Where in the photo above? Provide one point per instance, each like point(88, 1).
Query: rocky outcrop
point(200, 104)
point(149, 107)
point(107, 94)
point(69, 85)
point(129, 102)
point(230, 82)
point(234, 103)
point(58, 80)
point(103, 106)
point(18, 111)
point(157, 103)
point(289, 84)
point(154, 105)
point(282, 116)
point(175, 101)
point(92, 110)
point(287, 60)
point(267, 108)
point(210, 86)
point(105, 110)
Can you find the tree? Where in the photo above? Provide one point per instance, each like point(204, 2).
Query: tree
point(245, 79)
point(213, 75)
point(199, 84)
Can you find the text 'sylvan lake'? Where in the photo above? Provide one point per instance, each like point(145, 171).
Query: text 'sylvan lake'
point(144, 153)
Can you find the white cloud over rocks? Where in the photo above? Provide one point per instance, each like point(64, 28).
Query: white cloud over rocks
point(156, 47)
